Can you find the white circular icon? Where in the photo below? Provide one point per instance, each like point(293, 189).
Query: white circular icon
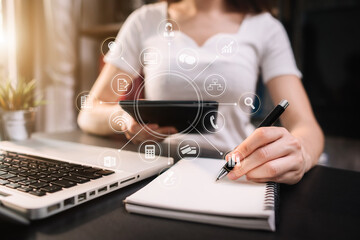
point(215, 85)
point(111, 48)
point(149, 151)
point(249, 103)
point(109, 159)
point(85, 101)
point(214, 121)
point(187, 59)
point(119, 121)
point(168, 29)
point(227, 46)
point(121, 84)
point(169, 178)
point(150, 58)
point(188, 149)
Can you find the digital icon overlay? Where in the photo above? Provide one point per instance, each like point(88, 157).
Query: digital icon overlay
point(119, 121)
point(168, 29)
point(111, 48)
point(188, 149)
point(187, 59)
point(215, 85)
point(150, 57)
point(249, 103)
point(214, 121)
point(121, 84)
point(149, 150)
point(169, 178)
point(227, 46)
point(86, 102)
point(109, 159)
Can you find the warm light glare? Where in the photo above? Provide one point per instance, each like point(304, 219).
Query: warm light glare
point(2, 37)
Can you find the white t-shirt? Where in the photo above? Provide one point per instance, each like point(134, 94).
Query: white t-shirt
point(261, 44)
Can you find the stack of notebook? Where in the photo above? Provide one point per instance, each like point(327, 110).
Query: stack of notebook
point(188, 191)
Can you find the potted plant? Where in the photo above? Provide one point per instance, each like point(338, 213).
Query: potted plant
point(17, 109)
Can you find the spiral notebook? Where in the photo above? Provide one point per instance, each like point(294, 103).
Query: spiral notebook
point(188, 191)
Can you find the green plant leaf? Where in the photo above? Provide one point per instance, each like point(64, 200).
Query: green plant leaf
point(22, 96)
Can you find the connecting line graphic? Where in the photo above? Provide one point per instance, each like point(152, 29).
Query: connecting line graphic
point(169, 45)
point(206, 67)
point(221, 153)
point(130, 140)
point(169, 155)
point(122, 58)
point(101, 102)
point(228, 104)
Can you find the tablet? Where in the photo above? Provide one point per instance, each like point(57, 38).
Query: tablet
point(185, 116)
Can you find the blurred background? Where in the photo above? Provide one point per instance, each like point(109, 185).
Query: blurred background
point(58, 43)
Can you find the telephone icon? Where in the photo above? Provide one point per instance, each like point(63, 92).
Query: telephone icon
point(212, 122)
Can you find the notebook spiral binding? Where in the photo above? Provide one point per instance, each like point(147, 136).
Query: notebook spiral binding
point(271, 196)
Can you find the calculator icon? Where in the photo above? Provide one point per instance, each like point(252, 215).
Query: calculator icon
point(150, 151)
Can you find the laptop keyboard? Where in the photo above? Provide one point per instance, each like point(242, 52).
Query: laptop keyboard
point(40, 176)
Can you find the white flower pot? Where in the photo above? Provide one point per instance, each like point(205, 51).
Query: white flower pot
point(18, 125)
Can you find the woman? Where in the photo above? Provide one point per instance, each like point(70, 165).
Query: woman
point(231, 40)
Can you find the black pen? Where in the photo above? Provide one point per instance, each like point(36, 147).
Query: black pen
point(268, 121)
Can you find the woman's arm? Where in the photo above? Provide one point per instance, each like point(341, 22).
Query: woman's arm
point(298, 119)
point(282, 154)
point(96, 120)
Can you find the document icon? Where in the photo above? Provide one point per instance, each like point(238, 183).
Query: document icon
point(85, 102)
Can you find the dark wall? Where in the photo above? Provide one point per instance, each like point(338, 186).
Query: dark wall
point(326, 40)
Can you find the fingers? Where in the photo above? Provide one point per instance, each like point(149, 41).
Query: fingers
point(273, 169)
point(166, 130)
point(138, 133)
point(291, 177)
point(260, 156)
point(260, 137)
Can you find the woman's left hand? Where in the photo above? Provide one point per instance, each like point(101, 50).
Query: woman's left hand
point(269, 154)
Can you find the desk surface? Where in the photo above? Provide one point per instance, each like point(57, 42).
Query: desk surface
point(324, 205)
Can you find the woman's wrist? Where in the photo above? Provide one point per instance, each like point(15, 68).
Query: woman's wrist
point(309, 161)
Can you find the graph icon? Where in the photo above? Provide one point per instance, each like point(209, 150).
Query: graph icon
point(227, 49)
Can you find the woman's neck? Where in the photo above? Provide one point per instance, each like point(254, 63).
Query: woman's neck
point(205, 5)
point(192, 7)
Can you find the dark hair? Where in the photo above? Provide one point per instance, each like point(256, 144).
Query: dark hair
point(244, 6)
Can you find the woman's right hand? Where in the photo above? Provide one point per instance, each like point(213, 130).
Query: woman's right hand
point(137, 133)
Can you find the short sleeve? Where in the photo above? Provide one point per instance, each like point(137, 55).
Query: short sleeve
point(124, 54)
point(277, 58)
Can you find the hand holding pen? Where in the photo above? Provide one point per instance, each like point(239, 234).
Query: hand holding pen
point(268, 154)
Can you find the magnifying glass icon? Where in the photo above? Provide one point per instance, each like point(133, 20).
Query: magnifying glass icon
point(249, 102)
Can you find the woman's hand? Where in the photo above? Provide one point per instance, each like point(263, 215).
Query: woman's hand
point(137, 133)
point(269, 154)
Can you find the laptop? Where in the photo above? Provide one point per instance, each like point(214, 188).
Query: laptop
point(42, 177)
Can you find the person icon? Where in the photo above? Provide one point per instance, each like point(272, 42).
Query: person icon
point(168, 30)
